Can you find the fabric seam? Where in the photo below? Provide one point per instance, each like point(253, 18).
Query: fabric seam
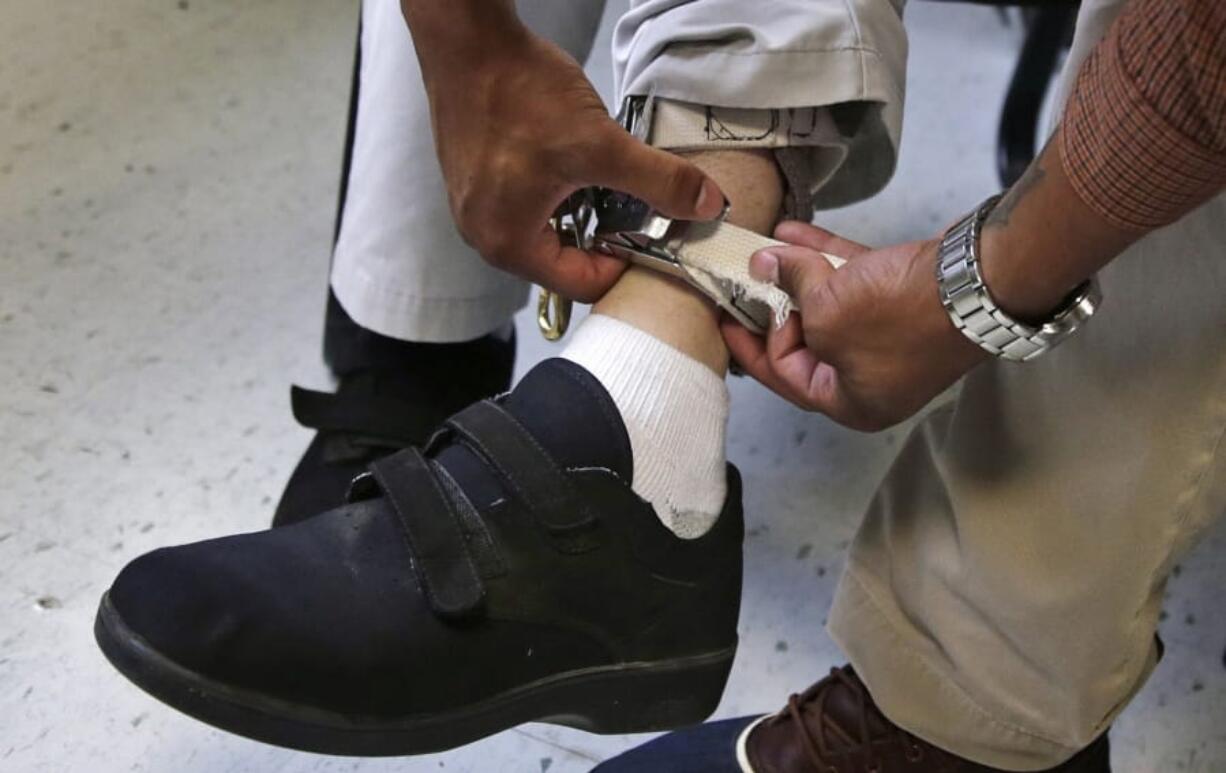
point(859, 47)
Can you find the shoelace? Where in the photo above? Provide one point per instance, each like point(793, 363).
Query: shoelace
point(817, 747)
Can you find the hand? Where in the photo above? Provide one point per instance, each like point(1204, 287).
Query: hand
point(871, 344)
point(521, 129)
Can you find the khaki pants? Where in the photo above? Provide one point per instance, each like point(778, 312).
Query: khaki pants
point(1002, 594)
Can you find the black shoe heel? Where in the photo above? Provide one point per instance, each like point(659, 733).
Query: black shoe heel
point(650, 698)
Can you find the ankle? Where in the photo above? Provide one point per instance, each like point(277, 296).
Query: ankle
point(670, 311)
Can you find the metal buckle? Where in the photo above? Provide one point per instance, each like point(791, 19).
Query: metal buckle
point(571, 221)
point(552, 314)
point(628, 228)
point(616, 224)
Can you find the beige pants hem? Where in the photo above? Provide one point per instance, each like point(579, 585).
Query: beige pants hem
point(917, 694)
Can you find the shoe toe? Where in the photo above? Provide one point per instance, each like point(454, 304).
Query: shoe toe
point(184, 604)
point(303, 613)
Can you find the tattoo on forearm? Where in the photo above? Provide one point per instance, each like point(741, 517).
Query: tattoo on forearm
point(1030, 179)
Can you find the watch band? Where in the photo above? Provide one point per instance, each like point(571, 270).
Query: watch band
point(973, 311)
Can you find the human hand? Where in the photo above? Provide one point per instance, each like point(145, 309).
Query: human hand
point(871, 344)
point(521, 129)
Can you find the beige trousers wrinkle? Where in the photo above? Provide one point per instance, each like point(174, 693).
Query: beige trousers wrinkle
point(1003, 591)
point(1002, 594)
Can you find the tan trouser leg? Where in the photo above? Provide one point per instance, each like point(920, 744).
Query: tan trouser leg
point(1002, 594)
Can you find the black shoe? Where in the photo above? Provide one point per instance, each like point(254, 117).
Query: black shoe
point(390, 402)
point(506, 574)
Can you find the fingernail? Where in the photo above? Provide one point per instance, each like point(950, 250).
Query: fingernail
point(710, 201)
point(764, 266)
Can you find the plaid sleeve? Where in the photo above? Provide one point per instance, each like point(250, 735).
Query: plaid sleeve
point(1143, 137)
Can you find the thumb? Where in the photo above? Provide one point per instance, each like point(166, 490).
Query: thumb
point(798, 271)
point(668, 183)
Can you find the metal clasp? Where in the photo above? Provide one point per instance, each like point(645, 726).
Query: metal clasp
point(628, 228)
point(616, 224)
point(572, 222)
point(553, 314)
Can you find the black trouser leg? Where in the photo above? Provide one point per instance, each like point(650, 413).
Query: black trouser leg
point(1048, 28)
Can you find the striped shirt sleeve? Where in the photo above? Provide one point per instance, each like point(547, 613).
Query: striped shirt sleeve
point(1143, 138)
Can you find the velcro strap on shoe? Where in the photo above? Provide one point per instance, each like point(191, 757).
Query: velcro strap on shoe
point(529, 471)
point(368, 415)
point(441, 560)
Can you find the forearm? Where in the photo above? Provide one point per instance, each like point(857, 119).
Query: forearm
point(1142, 143)
point(1042, 240)
point(455, 35)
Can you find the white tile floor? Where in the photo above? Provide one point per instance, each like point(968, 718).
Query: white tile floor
point(167, 178)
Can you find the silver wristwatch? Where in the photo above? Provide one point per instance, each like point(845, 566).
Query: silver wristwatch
point(972, 310)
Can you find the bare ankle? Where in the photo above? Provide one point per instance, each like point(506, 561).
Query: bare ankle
point(669, 310)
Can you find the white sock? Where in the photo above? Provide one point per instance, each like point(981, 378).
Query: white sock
point(676, 414)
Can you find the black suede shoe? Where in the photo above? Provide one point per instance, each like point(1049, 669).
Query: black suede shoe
point(389, 397)
point(505, 574)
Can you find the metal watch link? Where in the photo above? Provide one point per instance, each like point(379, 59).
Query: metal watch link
point(972, 310)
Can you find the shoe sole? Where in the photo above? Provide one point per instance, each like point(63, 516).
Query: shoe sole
point(625, 698)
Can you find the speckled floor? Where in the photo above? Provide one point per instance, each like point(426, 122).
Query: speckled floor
point(167, 178)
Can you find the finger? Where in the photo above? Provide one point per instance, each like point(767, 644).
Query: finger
point(815, 382)
point(826, 394)
point(574, 273)
point(667, 182)
point(791, 361)
point(749, 351)
point(796, 270)
point(808, 235)
point(586, 276)
point(785, 339)
point(794, 373)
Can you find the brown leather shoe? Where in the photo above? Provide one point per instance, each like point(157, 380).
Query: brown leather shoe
point(835, 727)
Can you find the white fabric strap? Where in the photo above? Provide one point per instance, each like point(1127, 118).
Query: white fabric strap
point(716, 256)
